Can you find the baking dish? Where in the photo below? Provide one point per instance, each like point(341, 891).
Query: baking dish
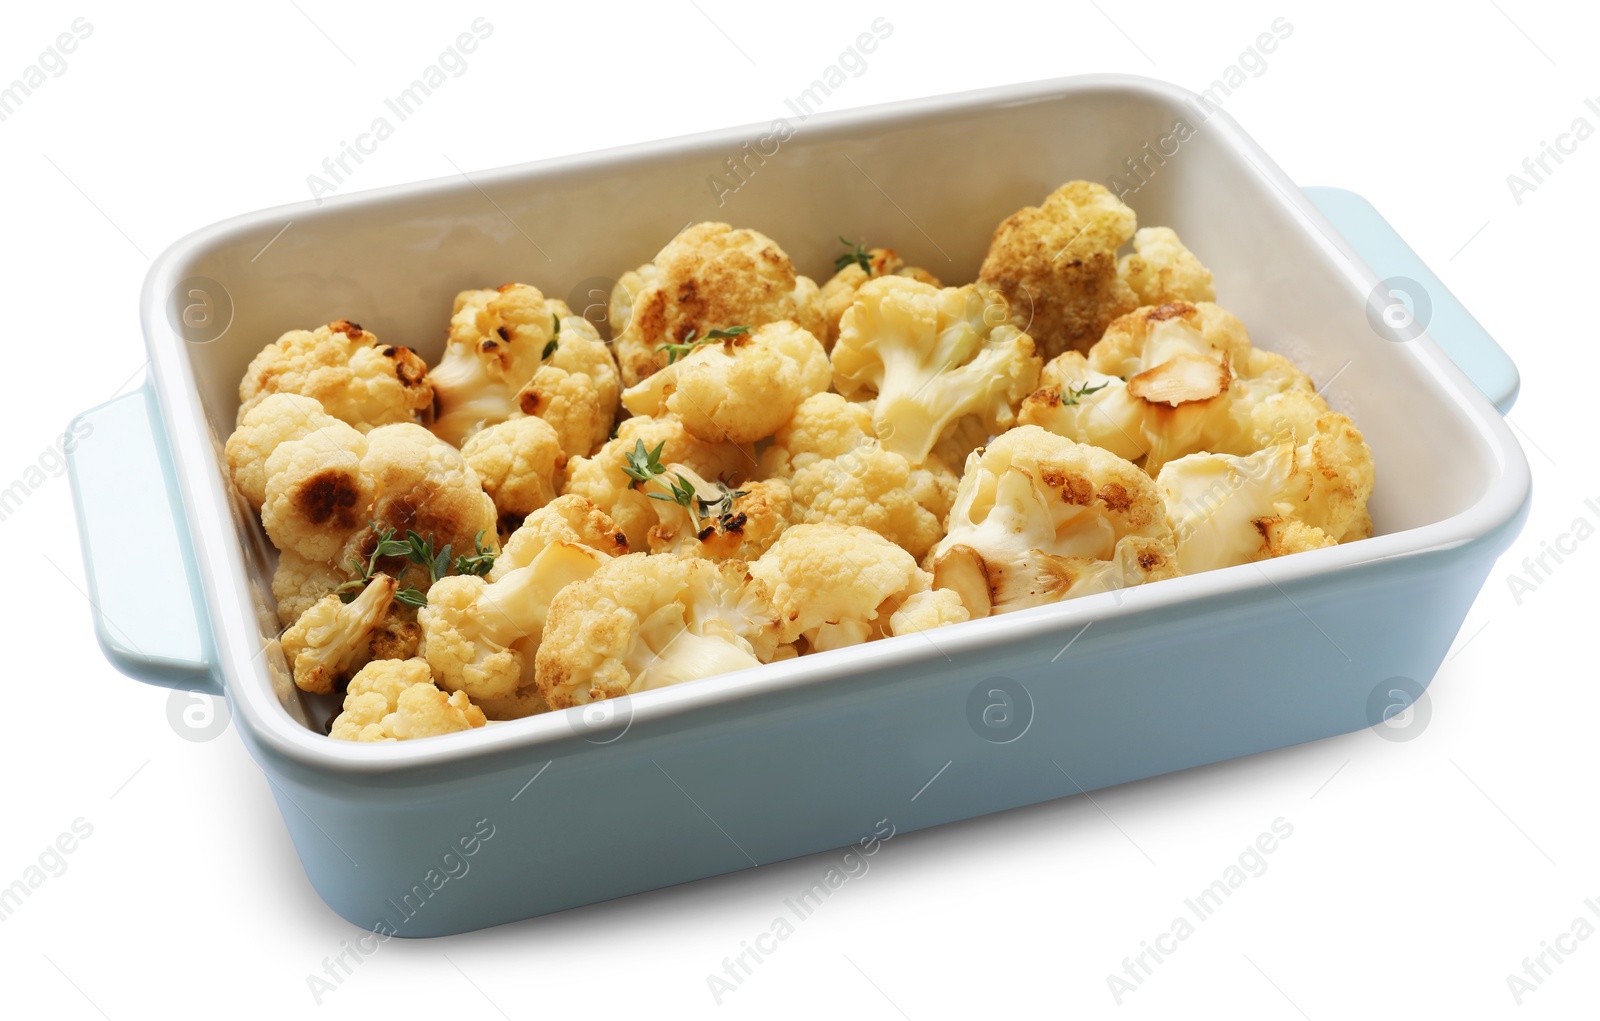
point(806, 755)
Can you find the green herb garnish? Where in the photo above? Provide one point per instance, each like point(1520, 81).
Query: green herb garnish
point(1071, 395)
point(690, 342)
point(857, 254)
point(642, 465)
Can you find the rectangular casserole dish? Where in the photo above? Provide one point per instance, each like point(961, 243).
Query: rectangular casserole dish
point(806, 755)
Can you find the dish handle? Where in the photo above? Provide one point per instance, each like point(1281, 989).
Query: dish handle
point(138, 560)
point(1447, 321)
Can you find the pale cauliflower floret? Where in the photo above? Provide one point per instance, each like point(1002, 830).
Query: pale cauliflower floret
point(1039, 518)
point(278, 418)
point(498, 339)
point(297, 583)
point(926, 610)
point(1162, 269)
point(1166, 381)
point(741, 388)
point(395, 700)
point(1056, 266)
point(709, 277)
point(836, 585)
point(839, 473)
point(568, 518)
point(481, 637)
point(344, 368)
point(928, 357)
point(649, 620)
point(520, 465)
point(577, 390)
point(423, 485)
point(839, 293)
point(317, 492)
point(602, 481)
point(1227, 510)
point(323, 646)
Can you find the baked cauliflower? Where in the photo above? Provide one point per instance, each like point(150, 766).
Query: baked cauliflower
point(520, 465)
point(278, 418)
point(648, 620)
point(499, 339)
point(831, 608)
point(709, 277)
point(1162, 269)
point(854, 269)
point(839, 473)
point(1167, 381)
point(317, 493)
point(396, 700)
point(346, 370)
point(567, 518)
point(605, 479)
point(1055, 265)
point(740, 386)
point(927, 357)
point(1227, 509)
point(577, 388)
point(326, 643)
point(481, 637)
point(1039, 518)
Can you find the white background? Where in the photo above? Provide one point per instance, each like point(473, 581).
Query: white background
point(1419, 873)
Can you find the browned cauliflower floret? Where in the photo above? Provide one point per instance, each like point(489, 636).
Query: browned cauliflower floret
point(741, 387)
point(1227, 509)
point(499, 339)
point(1164, 382)
point(855, 269)
point(604, 481)
point(715, 520)
point(568, 518)
point(326, 643)
point(709, 277)
point(928, 357)
point(481, 637)
point(1039, 519)
point(317, 492)
point(648, 620)
point(1161, 269)
point(345, 369)
point(279, 418)
point(839, 473)
point(836, 585)
point(1056, 266)
point(395, 700)
point(520, 465)
point(421, 484)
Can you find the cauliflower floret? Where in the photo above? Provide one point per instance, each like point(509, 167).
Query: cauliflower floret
point(839, 293)
point(603, 481)
point(1167, 381)
point(930, 356)
point(1056, 266)
point(568, 518)
point(648, 620)
point(278, 418)
point(926, 610)
point(741, 389)
point(317, 493)
point(740, 524)
point(577, 390)
point(1226, 509)
point(839, 473)
point(480, 637)
point(520, 465)
point(297, 583)
point(395, 700)
point(422, 484)
point(342, 367)
point(322, 647)
point(498, 340)
point(1161, 269)
point(709, 277)
point(1039, 519)
point(832, 607)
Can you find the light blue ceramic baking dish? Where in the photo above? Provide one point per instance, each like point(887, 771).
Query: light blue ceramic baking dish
point(749, 768)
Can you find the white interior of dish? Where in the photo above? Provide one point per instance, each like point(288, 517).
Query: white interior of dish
point(930, 179)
